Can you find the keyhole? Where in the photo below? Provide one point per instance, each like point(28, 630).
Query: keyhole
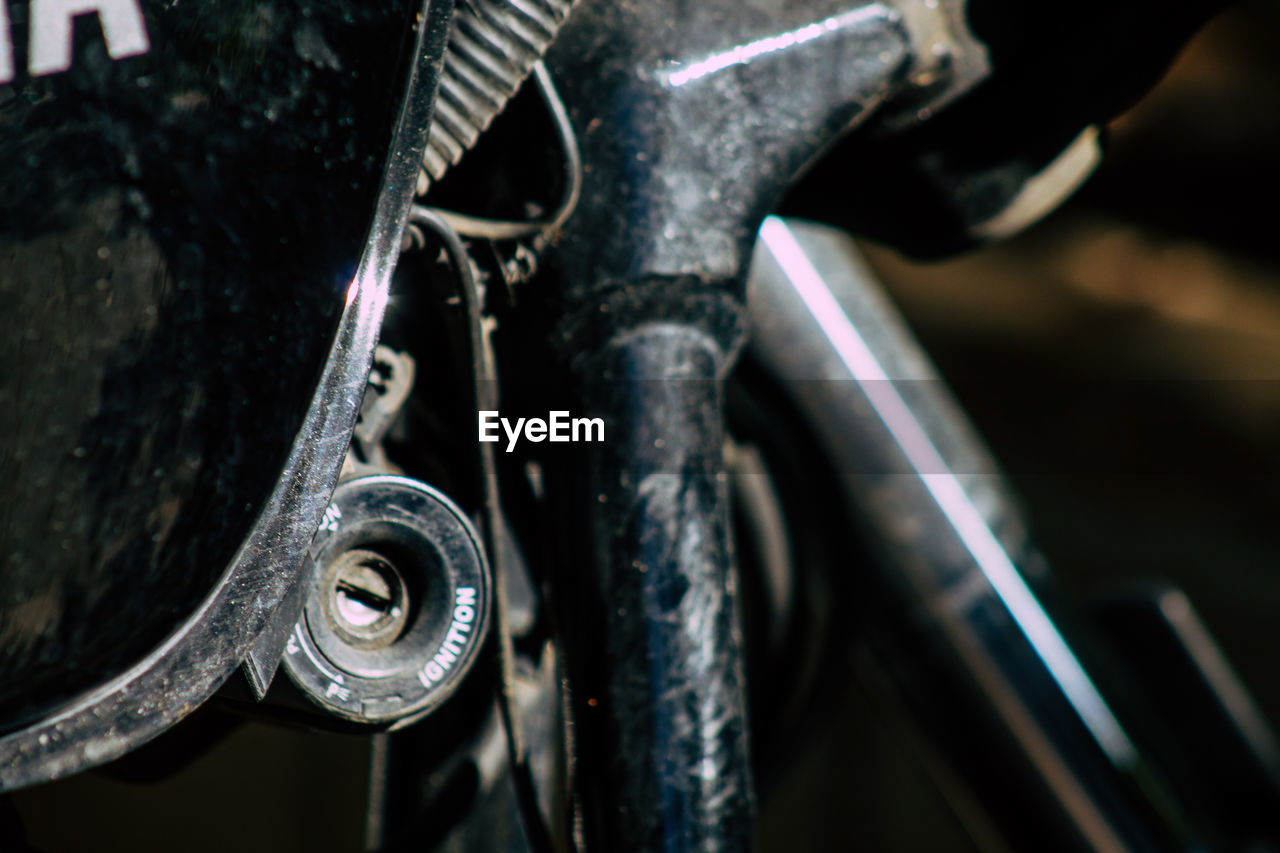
point(367, 599)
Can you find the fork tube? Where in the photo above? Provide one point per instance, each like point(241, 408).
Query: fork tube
point(661, 711)
point(966, 635)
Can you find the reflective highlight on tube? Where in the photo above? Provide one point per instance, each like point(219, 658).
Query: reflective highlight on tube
point(950, 496)
point(744, 53)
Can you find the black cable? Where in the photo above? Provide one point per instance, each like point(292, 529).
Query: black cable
point(535, 827)
point(498, 229)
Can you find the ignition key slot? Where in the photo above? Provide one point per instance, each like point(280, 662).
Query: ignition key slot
point(398, 606)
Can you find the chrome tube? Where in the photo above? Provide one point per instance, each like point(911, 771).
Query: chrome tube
point(964, 636)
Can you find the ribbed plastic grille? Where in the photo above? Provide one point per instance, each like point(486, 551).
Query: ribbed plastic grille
point(493, 47)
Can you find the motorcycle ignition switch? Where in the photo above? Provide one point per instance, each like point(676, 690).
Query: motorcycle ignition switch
point(398, 603)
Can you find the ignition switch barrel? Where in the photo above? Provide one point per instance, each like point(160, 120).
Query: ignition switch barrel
point(398, 605)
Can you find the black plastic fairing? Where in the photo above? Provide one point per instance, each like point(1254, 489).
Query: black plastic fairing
point(178, 232)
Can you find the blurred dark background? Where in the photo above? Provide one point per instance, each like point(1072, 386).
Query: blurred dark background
point(1122, 359)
